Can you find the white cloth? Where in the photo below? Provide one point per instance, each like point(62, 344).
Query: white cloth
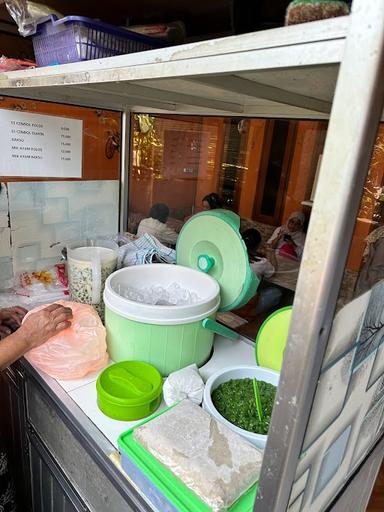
point(159, 230)
point(185, 383)
point(262, 267)
point(146, 249)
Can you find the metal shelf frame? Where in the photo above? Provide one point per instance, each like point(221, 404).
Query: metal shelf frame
point(331, 68)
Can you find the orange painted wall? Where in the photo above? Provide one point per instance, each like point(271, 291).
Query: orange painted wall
point(163, 171)
point(252, 161)
point(309, 145)
point(182, 171)
point(213, 136)
point(98, 125)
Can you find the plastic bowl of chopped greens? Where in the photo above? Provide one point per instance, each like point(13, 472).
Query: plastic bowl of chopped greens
point(229, 397)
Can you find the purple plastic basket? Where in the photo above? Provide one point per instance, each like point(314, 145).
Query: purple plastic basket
point(75, 38)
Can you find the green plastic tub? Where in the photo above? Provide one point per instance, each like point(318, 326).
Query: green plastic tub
point(167, 492)
point(167, 337)
point(171, 347)
point(129, 390)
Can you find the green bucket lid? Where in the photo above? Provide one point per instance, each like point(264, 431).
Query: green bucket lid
point(129, 383)
point(272, 338)
point(211, 242)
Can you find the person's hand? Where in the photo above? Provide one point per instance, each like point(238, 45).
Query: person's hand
point(288, 239)
point(10, 320)
point(277, 239)
point(40, 326)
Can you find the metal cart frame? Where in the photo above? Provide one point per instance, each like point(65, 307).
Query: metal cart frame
point(272, 73)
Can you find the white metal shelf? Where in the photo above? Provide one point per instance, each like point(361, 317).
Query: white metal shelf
point(287, 71)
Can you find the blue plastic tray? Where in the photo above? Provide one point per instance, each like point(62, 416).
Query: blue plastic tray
point(75, 39)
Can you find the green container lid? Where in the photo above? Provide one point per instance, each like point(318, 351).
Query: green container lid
point(123, 388)
point(211, 242)
point(272, 338)
point(182, 498)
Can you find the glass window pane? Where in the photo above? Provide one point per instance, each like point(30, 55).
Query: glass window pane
point(365, 264)
point(262, 169)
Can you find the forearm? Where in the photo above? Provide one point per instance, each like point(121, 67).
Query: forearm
point(274, 243)
point(11, 348)
point(36, 329)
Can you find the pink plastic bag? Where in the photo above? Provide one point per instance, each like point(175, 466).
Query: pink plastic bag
point(76, 351)
point(7, 64)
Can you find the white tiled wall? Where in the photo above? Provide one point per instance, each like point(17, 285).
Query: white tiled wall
point(6, 271)
point(37, 219)
point(3, 207)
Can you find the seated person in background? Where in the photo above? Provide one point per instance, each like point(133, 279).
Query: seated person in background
point(260, 266)
point(267, 296)
point(212, 201)
point(288, 240)
point(156, 225)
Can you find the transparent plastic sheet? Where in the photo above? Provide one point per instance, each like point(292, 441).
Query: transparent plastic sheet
point(18, 9)
point(27, 13)
point(172, 295)
point(76, 351)
point(217, 464)
point(45, 285)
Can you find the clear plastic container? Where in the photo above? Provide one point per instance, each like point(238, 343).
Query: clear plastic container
point(89, 264)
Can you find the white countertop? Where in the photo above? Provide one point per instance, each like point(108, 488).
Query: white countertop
point(83, 391)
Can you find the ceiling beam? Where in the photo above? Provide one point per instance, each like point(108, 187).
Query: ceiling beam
point(83, 97)
point(140, 93)
point(235, 84)
point(110, 90)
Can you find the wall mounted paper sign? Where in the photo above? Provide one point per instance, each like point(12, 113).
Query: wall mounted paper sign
point(40, 145)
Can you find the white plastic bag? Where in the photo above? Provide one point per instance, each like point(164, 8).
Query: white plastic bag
point(41, 286)
point(185, 383)
point(75, 351)
point(26, 14)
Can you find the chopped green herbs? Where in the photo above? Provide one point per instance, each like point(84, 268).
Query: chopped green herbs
point(235, 400)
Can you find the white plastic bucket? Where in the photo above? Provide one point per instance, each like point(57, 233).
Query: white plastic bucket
point(232, 373)
point(145, 276)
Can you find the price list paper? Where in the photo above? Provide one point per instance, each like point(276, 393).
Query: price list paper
point(40, 146)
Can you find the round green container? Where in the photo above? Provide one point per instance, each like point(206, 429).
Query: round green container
point(129, 390)
point(168, 347)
